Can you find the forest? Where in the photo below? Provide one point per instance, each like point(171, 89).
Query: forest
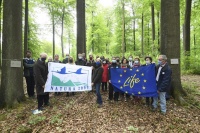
point(127, 27)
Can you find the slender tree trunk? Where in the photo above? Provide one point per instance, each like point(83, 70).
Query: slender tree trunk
point(142, 38)
point(134, 45)
point(11, 90)
point(153, 26)
point(0, 34)
point(92, 31)
point(81, 35)
point(170, 41)
point(26, 28)
point(186, 38)
point(148, 39)
point(62, 28)
point(53, 26)
point(123, 29)
point(158, 17)
point(69, 42)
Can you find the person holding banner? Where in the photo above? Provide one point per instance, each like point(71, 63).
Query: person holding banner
point(40, 72)
point(96, 81)
point(163, 79)
point(148, 61)
point(111, 89)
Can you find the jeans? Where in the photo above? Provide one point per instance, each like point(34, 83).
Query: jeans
point(162, 101)
point(99, 99)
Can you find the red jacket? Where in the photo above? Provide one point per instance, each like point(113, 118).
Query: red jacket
point(105, 73)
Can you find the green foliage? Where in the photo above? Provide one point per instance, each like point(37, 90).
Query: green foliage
point(35, 119)
point(24, 129)
point(56, 119)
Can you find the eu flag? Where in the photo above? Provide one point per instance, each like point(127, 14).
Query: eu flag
point(139, 81)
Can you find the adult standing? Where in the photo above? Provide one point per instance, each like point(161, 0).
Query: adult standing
point(66, 60)
point(40, 73)
point(96, 81)
point(104, 76)
point(28, 63)
point(80, 60)
point(114, 65)
point(163, 79)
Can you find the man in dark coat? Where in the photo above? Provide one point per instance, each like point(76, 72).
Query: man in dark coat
point(80, 60)
point(111, 89)
point(40, 73)
point(96, 80)
point(163, 79)
point(28, 63)
point(66, 60)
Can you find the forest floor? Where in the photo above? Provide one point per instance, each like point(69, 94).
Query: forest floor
point(79, 113)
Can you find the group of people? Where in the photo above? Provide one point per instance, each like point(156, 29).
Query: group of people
point(35, 73)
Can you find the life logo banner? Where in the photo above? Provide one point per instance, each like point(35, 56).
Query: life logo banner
point(68, 78)
point(139, 81)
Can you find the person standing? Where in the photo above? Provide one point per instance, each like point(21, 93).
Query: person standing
point(130, 61)
point(80, 60)
point(163, 78)
point(96, 81)
point(40, 73)
point(28, 64)
point(56, 60)
point(148, 61)
point(104, 76)
point(114, 65)
point(66, 60)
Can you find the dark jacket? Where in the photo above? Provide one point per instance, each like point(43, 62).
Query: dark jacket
point(91, 63)
point(28, 64)
point(80, 62)
point(97, 76)
point(112, 66)
point(40, 73)
point(164, 80)
point(66, 60)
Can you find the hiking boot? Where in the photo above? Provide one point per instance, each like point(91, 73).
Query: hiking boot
point(100, 106)
point(163, 113)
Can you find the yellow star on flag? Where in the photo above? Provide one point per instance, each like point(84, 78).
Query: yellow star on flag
point(120, 75)
point(145, 81)
point(121, 87)
point(142, 74)
point(126, 92)
point(119, 81)
point(131, 69)
point(124, 70)
point(143, 88)
point(137, 70)
point(139, 92)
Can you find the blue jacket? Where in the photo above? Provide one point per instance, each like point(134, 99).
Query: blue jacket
point(164, 81)
point(28, 66)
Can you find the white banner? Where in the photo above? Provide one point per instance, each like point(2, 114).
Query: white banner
point(68, 78)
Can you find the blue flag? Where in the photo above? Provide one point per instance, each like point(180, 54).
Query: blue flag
point(139, 81)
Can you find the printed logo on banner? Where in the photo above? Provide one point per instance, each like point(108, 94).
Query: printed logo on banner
point(68, 78)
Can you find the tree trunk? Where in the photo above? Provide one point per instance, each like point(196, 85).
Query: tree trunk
point(186, 38)
point(153, 26)
point(62, 28)
point(0, 34)
point(123, 29)
point(53, 26)
point(81, 35)
point(158, 17)
point(26, 28)
point(142, 38)
point(170, 41)
point(11, 90)
point(134, 47)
